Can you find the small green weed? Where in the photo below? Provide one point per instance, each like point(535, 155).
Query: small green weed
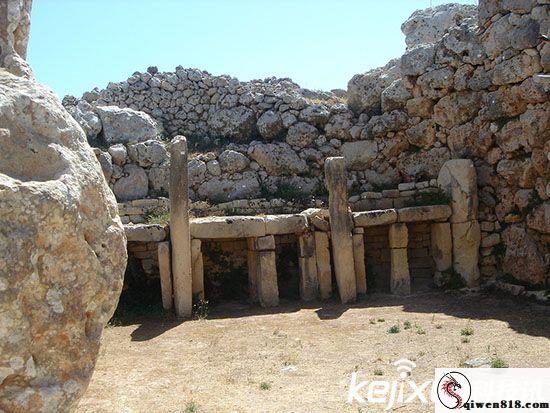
point(499, 363)
point(467, 331)
point(160, 219)
point(394, 329)
point(191, 407)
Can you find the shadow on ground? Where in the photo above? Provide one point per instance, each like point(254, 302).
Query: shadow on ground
point(522, 316)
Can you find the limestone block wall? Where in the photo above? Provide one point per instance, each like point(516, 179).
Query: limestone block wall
point(468, 86)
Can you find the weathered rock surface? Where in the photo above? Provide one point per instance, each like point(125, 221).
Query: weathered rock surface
point(88, 120)
point(523, 259)
point(62, 250)
point(233, 161)
point(278, 159)
point(429, 25)
point(126, 125)
point(233, 123)
point(15, 22)
point(133, 185)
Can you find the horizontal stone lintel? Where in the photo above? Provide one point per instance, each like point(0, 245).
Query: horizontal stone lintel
point(145, 232)
point(375, 218)
point(438, 213)
point(247, 226)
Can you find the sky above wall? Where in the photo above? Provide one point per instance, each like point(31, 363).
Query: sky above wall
point(320, 44)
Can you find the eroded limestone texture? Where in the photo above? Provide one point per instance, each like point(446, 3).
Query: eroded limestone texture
point(62, 245)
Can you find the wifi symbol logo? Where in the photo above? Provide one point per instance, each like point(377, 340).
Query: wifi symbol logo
point(404, 367)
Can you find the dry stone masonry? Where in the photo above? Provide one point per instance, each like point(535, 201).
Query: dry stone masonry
point(469, 86)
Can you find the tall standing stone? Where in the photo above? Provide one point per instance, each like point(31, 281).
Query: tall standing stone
point(179, 228)
point(458, 179)
point(341, 227)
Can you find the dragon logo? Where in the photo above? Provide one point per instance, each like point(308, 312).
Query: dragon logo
point(453, 390)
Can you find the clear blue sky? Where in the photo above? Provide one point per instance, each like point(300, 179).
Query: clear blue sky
point(78, 44)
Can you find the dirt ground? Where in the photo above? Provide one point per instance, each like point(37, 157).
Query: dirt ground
point(300, 357)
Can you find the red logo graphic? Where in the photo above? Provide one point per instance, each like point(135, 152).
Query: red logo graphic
point(453, 390)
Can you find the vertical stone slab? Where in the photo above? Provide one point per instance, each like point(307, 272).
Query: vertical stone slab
point(341, 226)
point(466, 242)
point(252, 263)
point(197, 268)
point(442, 249)
point(268, 289)
point(458, 179)
point(324, 270)
point(400, 279)
point(165, 274)
point(179, 228)
point(309, 284)
point(359, 260)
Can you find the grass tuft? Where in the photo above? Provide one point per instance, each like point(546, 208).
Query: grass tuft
point(191, 407)
point(394, 329)
point(499, 363)
point(467, 331)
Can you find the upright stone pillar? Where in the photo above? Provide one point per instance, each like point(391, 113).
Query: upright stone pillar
point(266, 271)
point(197, 268)
point(309, 284)
point(442, 249)
point(341, 226)
point(359, 260)
point(322, 258)
point(252, 263)
point(458, 179)
point(165, 273)
point(179, 228)
point(400, 279)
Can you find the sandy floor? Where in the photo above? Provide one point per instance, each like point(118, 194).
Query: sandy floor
point(301, 359)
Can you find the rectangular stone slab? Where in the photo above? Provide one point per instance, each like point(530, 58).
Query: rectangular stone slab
point(268, 289)
point(266, 243)
point(424, 213)
point(309, 284)
point(227, 227)
point(324, 269)
point(285, 224)
point(197, 267)
point(252, 262)
point(400, 279)
point(359, 263)
point(145, 233)
point(165, 273)
point(398, 235)
point(374, 218)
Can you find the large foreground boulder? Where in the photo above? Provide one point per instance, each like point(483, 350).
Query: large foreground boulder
point(62, 251)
